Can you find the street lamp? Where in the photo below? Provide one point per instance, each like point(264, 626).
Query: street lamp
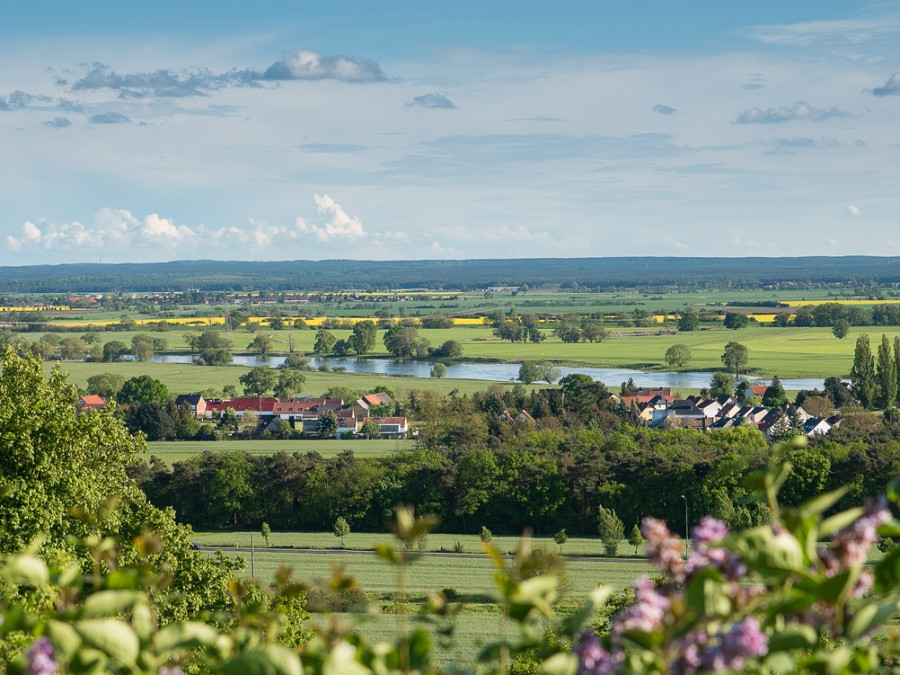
point(685, 527)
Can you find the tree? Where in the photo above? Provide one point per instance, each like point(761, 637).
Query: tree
point(370, 429)
point(689, 321)
point(612, 530)
point(42, 349)
point(362, 339)
point(295, 361)
point(341, 529)
point(105, 384)
point(342, 347)
point(485, 535)
point(735, 358)
point(151, 419)
point(114, 350)
point(451, 349)
point(72, 349)
point(63, 477)
point(529, 372)
point(258, 380)
point(863, 383)
point(736, 320)
point(404, 342)
point(438, 370)
point(142, 350)
point(265, 531)
point(324, 343)
point(678, 355)
point(721, 384)
point(593, 331)
point(887, 375)
point(774, 394)
point(328, 425)
point(261, 343)
point(549, 373)
point(841, 328)
point(214, 348)
point(568, 329)
point(143, 389)
point(561, 538)
point(290, 383)
point(635, 538)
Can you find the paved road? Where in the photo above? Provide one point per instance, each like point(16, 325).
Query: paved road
point(429, 554)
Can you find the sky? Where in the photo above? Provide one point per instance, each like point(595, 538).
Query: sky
point(394, 130)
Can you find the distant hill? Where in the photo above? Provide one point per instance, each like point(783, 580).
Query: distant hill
point(330, 275)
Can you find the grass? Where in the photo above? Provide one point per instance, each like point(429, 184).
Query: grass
point(437, 542)
point(176, 451)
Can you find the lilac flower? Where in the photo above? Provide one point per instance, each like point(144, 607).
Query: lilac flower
point(174, 670)
point(41, 659)
point(593, 659)
point(663, 549)
point(645, 614)
point(850, 546)
point(744, 641)
point(709, 530)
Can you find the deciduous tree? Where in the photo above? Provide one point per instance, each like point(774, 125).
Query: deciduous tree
point(678, 355)
point(735, 358)
point(862, 373)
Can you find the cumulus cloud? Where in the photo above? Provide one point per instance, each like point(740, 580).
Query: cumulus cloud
point(58, 123)
point(890, 88)
point(109, 118)
point(19, 99)
point(853, 211)
point(432, 101)
point(302, 64)
point(338, 226)
point(801, 110)
point(664, 109)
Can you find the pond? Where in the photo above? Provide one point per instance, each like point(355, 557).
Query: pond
point(495, 372)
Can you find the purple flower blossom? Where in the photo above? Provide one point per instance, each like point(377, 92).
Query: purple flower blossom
point(744, 641)
point(174, 670)
point(663, 549)
point(593, 659)
point(850, 546)
point(709, 530)
point(41, 660)
point(645, 614)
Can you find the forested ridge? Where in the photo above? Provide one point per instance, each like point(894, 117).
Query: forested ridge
point(330, 275)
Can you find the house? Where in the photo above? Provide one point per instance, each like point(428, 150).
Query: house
point(92, 402)
point(259, 405)
point(816, 426)
point(391, 427)
point(195, 401)
point(364, 404)
point(523, 416)
point(757, 389)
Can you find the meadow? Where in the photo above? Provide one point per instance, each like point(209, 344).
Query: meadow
point(177, 451)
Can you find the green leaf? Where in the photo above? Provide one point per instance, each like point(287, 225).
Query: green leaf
point(184, 636)
point(420, 649)
point(887, 572)
point(561, 664)
point(837, 587)
point(793, 636)
point(870, 617)
point(572, 624)
point(64, 638)
point(893, 489)
point(114, 637)
point(109, 603)
point(389, 554)
point(269, 660)
point(25, 570)
point(534, 593)
point(818, 505)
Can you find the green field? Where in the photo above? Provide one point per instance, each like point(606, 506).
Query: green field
point(176, 451)
point(437, 542)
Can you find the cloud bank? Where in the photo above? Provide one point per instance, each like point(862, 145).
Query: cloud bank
point(890, 88)
point(801, 110)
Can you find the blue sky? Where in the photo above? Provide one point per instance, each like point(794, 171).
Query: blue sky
point(410, 130)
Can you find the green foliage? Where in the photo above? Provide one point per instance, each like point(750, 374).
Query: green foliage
point(735, 320)
point(886, 374)
point(735, 358)
point(529, 372)
point(258, 380)
point(722, 384)
point(143, 389)
point(862, 374)
point(689, 321)
point(485, 535)
point(611, 529)
point(841, 328)
point(438, 370)
point(678, 355)
point(341, 529)
point(290, 383)
point(403, 341)
point(105, 384)
point(265, 531)
point(328, 425)
point(261, 343)
point(114, 350)
point(774, 394)
point(362, 338)
point(561, 538)
point(635, 538)
point(214, 348)
point(324, 343)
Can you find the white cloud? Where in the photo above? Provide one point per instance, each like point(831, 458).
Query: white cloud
point(303, 64)
point(432, 101)
point(890, 88)
point(853, 211)
point(339, 224)
point(801, 110)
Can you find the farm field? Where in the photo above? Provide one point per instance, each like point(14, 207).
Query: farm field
point(437, 542)
point(176, 451)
